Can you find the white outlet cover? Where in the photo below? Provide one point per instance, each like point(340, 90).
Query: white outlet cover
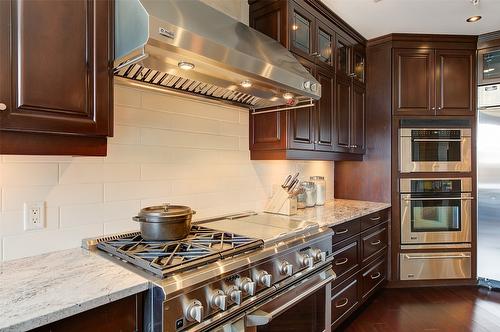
point(34, 215)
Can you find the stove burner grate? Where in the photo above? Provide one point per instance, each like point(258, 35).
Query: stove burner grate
point(163, 258)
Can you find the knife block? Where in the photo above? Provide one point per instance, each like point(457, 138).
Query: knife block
point(281, 202)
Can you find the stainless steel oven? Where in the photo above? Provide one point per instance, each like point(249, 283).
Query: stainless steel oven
point(434, 150)
point(436, 211)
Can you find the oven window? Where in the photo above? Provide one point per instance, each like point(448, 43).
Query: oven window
point(435, 215)
point(435, 150)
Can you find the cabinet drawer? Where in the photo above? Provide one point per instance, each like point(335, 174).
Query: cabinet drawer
point(345, 257)
point(373, 242)
point(346, 230)
point(373, 276)
point(374, 219)
point(344, 298)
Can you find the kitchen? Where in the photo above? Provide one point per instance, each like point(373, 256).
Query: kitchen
point(380, 122)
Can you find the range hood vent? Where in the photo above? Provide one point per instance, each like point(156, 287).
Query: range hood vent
point(153, 37)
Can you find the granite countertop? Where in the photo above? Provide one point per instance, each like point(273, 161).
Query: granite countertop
point(338, 211)
point(38, 290)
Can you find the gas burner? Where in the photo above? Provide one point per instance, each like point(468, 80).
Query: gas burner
point(163, 258)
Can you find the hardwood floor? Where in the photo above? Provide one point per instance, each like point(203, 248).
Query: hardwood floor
point(450, 309)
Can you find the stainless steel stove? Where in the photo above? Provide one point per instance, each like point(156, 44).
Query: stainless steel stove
point(216, 280)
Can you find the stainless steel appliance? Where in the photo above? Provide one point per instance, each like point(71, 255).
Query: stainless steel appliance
point(215, 280)
point(189, 47)
point(434, 150)
point(488, 185)
point(435, 265)
point(436, 211)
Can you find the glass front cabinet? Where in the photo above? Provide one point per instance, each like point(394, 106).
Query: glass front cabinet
point(489, 65)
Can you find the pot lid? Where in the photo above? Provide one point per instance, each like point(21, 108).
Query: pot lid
point(166, 210)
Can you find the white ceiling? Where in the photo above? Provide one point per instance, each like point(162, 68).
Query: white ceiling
point(373, 19)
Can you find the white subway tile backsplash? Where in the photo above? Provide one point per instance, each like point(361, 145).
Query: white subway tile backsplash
point(165, 149)
point(13, 198)
point(39, 242)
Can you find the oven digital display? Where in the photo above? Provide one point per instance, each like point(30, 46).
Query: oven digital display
point(436, 186)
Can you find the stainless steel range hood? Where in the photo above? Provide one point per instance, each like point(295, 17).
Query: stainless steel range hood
point(153, 38)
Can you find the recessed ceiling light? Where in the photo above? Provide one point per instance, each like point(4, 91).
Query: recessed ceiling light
point(185, 65)
point(246, 84)
point(473, 18)
point(287, 95)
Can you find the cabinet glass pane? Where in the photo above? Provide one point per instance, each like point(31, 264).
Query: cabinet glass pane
point(491, 65)
point(343, 57)
point(325, 46)
point(359, 67)
point(301, 32)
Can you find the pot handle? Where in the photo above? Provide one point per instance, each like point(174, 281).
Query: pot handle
point(193, 211)
point(136, 218)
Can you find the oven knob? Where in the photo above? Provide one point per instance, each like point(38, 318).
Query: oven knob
point(286, 269)
point(319, 255)
point(265, 279)
point(306, 260)
point(218, 300)
point(248, 286)
point(234, 294)
point(194, 311)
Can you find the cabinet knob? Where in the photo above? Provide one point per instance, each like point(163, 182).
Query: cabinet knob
point(440, 108)
point(352, 75)
point(3, 107)
point(316, 54)
point(433, 108)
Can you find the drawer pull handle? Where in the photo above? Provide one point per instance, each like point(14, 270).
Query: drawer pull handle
point(342, 303)
point(375, 218)
point(341, 261)
point(376, 243)
point(342, 231)
point(376, 275)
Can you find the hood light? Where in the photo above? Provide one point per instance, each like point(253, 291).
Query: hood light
point(473, 18)
point(287, 95)
point(246, 84)
point(185, 65)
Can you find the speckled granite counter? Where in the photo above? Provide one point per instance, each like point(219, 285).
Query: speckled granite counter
point(38, 290)
point(338, 211)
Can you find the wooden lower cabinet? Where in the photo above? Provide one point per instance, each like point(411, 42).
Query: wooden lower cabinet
point(359, 249)
point(124, 315)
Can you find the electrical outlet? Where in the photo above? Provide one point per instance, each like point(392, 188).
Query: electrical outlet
point(34, 215)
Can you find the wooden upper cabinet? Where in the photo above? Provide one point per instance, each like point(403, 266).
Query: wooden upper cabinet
point(302, 121)
point(56, 60)
point(344, 52)
point(325, 45)
point(302, 28)
point(455, 82)
point(358, 119)
point(342, 114)
point(359, 65)
point(271, 20)
point(325, 111)
point(413, 81)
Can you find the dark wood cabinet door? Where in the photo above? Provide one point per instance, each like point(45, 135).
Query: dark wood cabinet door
point(358, 119)
point(325, 45)
point(271, 20)
point(301, 127)
point(358, 65)
point(59, 78)
point(342, 114)
point(302, 28)
point(455, 82)
point(343, 48)
point(413, 82)
point(325, 111)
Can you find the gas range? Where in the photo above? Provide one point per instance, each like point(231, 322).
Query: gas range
point(220, 271)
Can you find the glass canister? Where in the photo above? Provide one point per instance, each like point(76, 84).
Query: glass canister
point(320, 183)
point(310, 192)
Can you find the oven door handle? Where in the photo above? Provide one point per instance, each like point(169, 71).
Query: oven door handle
point(260, 317)
point(437, 140)
point(468, 198)
point(410, 257)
